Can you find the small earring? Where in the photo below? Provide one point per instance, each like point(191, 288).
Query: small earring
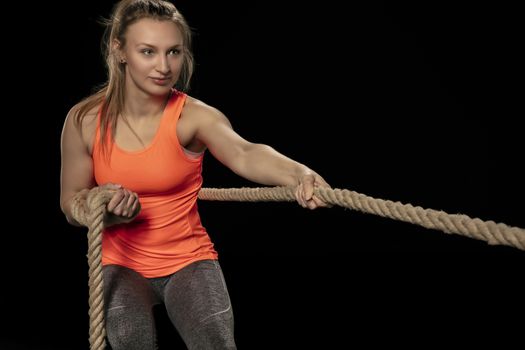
point(122, 61)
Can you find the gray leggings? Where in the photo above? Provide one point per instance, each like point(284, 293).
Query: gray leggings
point(196, 301)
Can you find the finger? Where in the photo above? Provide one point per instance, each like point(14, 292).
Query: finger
point(134, 209)
point(320, 203)
point(115, 200)
point(298, 196)
point(122, 206)
point(315, 202)
point(311, 204)
point(129, 205)
point(308, 186)
point(133, 197)
point(303, 197)
point(122, 200)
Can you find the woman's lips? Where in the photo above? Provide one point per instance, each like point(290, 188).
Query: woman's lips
point(161, 81)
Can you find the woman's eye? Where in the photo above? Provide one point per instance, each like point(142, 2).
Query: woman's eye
point(174, 52)
point(147, 52)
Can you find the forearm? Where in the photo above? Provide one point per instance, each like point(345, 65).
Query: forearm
point(126, 212)
point(264, 165)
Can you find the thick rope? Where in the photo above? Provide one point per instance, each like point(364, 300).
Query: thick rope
point(489, 231)
point(89, 209)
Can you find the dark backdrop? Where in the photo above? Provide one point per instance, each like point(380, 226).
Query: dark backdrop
point(413, 102)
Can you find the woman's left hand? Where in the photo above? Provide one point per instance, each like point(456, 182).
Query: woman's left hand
point(304, 192)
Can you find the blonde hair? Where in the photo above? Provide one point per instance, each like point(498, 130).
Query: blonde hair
point(110, 97)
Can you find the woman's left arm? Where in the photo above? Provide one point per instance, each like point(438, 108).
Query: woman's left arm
point(256, 162)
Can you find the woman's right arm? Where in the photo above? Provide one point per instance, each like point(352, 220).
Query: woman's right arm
point(76, 173)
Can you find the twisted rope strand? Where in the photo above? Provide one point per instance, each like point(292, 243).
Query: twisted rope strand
point(489, 231)
point(89, 209)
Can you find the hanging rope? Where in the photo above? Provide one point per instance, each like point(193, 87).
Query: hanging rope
point(89, 209)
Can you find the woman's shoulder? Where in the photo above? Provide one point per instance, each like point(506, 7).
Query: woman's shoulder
point(85, 121)
point(82, 119)
point(201, 111)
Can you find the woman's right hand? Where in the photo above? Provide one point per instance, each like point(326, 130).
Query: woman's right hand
point(123, 207)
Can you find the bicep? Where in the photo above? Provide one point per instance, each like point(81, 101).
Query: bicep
point(216, 132)
point(76, 171)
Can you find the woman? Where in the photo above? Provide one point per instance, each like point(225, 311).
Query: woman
point(143, 137)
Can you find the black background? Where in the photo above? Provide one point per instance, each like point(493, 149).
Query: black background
point(414, 101)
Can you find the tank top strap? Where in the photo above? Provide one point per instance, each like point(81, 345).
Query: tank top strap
point(172, 113)
point(174, 106)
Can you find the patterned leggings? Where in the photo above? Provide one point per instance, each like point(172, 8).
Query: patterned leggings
point(196, 300)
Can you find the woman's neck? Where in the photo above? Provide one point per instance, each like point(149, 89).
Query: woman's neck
point(139, 105)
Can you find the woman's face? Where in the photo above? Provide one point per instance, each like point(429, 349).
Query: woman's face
point(154, 56)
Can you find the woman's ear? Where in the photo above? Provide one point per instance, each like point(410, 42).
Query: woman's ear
point(116, 48)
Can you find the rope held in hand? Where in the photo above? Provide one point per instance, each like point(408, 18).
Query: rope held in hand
point(89, 209)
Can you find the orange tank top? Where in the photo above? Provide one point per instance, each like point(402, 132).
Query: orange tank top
point(167, 234)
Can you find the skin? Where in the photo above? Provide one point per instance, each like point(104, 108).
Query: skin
point(153, 50)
